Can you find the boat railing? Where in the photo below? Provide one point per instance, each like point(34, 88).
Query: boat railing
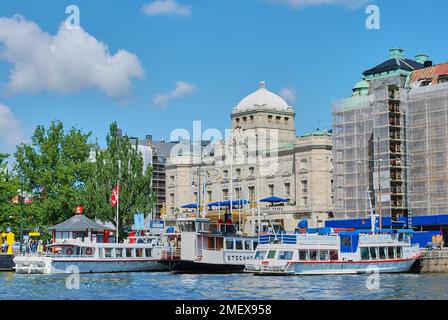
point(286, 238)
point(171, 253)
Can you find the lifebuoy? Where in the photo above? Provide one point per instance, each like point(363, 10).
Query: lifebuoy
point(89, 251)
point(69, 251)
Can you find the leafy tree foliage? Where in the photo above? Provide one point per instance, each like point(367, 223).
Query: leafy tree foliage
point(122, 163)
point(9, 184)
point(55, 168)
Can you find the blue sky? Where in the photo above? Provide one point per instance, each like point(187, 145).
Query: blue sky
point(216, 51)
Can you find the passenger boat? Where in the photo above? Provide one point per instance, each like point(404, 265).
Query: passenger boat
point(325, 252)
point(73, 255)
point(205, 247)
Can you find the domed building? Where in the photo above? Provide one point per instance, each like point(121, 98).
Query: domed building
point(262, 158)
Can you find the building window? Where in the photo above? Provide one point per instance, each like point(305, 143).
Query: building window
point(225, 194)
point(286, 120)
point(245, 119)
point(251, 193)
point(304, 165)
point(304, 186)
point(237, 120)
point(172, 179)
point(443, 79)
point(271, 190)
point(269, 119)
point(196, 197)
point(252, 119)
point(305, 201)
point(238, 193)
point(226, 173)
point(287, 189)
point(209, 196)
point(251, 171)
point(238, 172)
point(172, 199)
point(277, 119)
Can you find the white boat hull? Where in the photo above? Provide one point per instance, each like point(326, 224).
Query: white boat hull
point(45, 265)
point(335, 268)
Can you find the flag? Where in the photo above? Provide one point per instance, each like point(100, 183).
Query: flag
point(114, 197)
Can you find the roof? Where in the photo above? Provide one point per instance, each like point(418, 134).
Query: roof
point(319, 133)
point(432, 73)
point(79, 223)
point(394, 64)
point(263, 98)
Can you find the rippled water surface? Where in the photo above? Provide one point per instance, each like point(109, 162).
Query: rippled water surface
point(165, 286)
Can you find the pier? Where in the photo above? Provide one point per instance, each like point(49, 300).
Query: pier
point(434, 261)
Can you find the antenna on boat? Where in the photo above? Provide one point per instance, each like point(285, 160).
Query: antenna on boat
point(372, 212)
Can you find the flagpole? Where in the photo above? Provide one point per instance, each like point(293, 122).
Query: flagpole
point(118, 202)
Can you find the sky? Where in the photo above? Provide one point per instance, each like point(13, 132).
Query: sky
point(156, 66)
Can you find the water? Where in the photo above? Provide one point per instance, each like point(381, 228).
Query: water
point(165, 286)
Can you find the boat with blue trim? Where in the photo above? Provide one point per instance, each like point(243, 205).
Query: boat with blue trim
point(327, 251)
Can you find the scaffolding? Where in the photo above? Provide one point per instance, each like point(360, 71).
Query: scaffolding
point(370, 153)
point(428, 149)
point(393, 141)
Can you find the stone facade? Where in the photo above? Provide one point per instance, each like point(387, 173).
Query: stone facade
point(266, 159)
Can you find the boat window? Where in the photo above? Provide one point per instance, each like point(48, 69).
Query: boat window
point(373, 253)
point(334, 255)
point(139, 253)
point(101, 253)
point(346, 241)
point(382, 253)
point(285, 255)
point(108, 253)
point(313, 255)
point(229, 244)
point(399, 252)
point(364, 253)
point(148, 252)
point(303, 255)
point(77, 251)
point(118, 253)
point(255, 244)
point(128, 253)
point(271, 254)
point(239, 245)
point(400, 237)
point(390, 253)
point(247, 245)
point(324, 255)
point(260, 255)
point(187, 226)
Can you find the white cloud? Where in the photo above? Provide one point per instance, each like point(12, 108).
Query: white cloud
point(166, 7)
point(289, 94)
point(306, 3)
point(183, 89)
point(70, 61)
point(11, 133)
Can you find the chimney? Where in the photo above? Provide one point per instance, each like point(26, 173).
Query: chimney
point(422, 58)
point(397, 53)
point(428, 64)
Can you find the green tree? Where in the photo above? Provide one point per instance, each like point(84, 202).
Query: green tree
point(9, 184)
point(135, 190)
point(55, 168)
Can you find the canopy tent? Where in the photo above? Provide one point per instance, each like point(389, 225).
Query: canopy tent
point(228, 203)
point(190, 206)
point(274, 200)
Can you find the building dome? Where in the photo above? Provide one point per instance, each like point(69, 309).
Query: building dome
point(263, 98)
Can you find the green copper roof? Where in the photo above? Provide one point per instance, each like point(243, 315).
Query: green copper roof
point(319, 133)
